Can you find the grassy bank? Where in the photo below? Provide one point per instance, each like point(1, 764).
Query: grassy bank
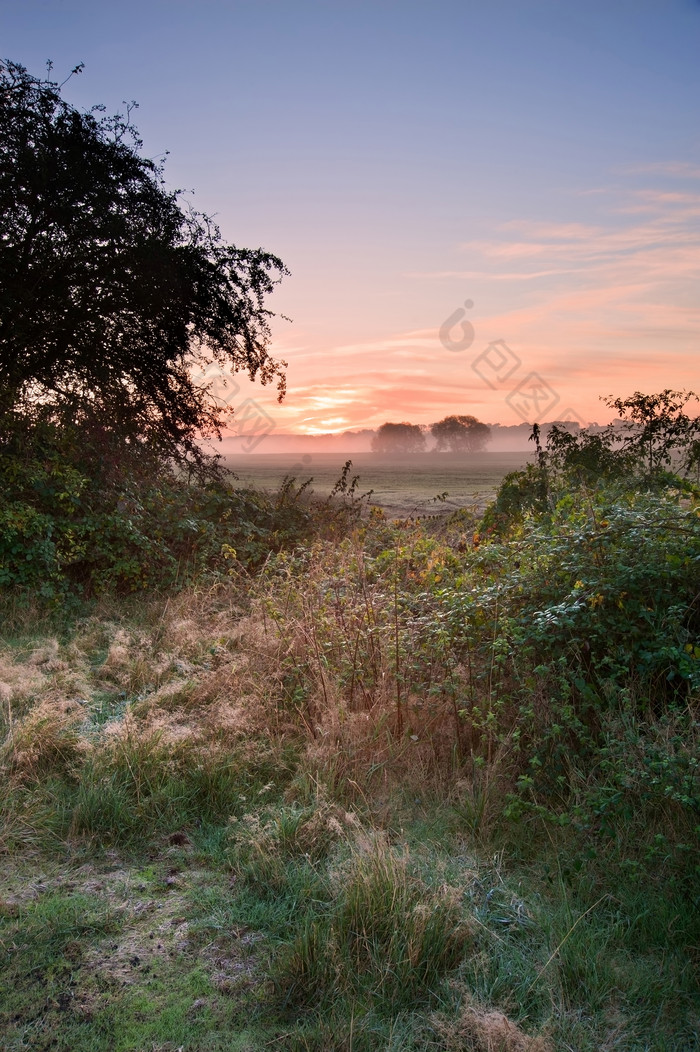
point(391, 785)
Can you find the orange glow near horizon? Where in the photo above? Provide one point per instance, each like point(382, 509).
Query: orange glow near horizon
point(593, 309)
point(538, 161)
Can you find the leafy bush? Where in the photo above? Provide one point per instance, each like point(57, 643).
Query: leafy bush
point(74, 521)
point(509, 667)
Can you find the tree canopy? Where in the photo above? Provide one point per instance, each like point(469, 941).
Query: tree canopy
point(656, 428)
point(112, 288)
point(652, 435)
point(460, 434)
point(399, 438)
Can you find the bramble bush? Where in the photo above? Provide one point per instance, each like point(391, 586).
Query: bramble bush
point(594, 608)
point(591, 563)
point(80, 519)
point(553, 665)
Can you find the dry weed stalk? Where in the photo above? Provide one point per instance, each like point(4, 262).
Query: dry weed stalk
point(486, 1030)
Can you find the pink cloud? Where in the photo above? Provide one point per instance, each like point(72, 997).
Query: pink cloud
point(593, 307)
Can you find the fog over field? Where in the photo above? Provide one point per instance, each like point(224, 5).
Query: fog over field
point(504, 439)
point(409, 484)
point(401, 483)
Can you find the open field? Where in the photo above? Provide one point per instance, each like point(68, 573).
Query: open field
point(402, 485)
point(276, 777)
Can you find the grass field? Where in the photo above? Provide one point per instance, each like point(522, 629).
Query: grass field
point(388, 787)
point(402, 485)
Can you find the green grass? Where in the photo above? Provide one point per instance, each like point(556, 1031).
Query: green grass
point(122, 969)
point(357, 802)
point(301, 927)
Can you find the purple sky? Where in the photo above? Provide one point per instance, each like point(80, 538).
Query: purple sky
point(538, 159)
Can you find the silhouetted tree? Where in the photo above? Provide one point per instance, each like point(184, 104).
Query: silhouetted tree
point(460, 434)
point(656, 429)
point(112, 288)
point(652, 436)
point(399, 438)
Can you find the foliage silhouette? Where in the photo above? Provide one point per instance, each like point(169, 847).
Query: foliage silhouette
point(652, 444)
point(399, 438)
point(113, 288)
point(460, 434)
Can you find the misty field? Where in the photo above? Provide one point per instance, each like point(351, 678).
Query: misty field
point(402, 484)
point(276, 773)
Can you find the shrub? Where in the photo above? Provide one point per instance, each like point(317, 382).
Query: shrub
point(72, 524)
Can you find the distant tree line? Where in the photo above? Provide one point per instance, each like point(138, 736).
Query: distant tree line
point(454, 434)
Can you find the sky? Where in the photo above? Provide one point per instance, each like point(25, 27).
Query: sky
point(489, 208)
